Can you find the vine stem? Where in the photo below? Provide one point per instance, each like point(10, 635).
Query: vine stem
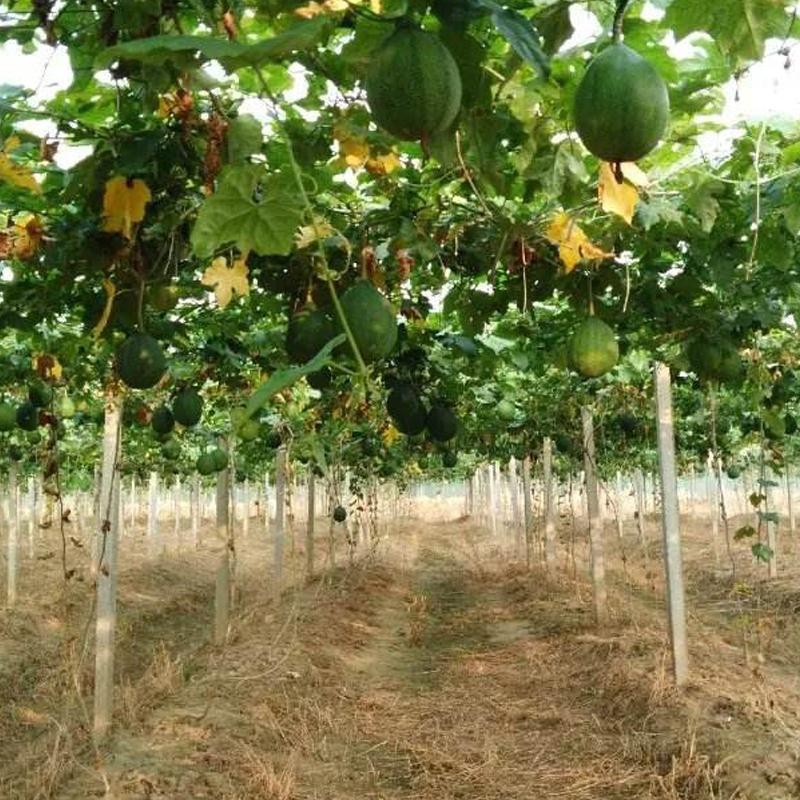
point(716, 465)
point(757, 212)
point(619, 16)
point(362, 367)
point(298, 177)
point(140, 304)
point(468, 175)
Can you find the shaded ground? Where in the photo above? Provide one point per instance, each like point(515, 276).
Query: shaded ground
point(437, 671)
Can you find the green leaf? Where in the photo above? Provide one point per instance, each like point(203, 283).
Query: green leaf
point(775, 250)
point(465, 344)
point(568, 171)
point(702, 202)
point(769, 516)
point(523, 37)
point(135, 14)
point(185, 50)
point(244, 137)
point(739, 27)
point(368, 37)
point(762, 552)
point(284, 378)
point(301, 37)
point(791, 218)
point(655, 210)
point(158, 49)
point(319, 456)
point(745, 532)
point(520, 361)
point(251, 209)
point(791, 154)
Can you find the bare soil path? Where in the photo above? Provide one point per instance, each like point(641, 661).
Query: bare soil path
point(436, 672)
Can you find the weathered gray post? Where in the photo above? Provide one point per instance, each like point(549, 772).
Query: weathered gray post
point(107, 533)
point(670, 520)
point(595, 523)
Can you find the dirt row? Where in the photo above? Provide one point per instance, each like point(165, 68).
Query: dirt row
point(438, 668)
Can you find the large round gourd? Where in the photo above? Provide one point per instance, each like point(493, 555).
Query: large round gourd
point(442, 423)
point(309, 331)
point(449, 459)
point(593, 349)
point(28, 417)
point(206, 464)
point(413, 85)
point(371, 319)
point(714, 360)
point(162, 421)
point(621, 106)
point(187, 407)
point(407, 410)
point(140, 361)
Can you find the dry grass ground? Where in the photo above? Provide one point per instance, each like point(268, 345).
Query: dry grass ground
point(436, 670)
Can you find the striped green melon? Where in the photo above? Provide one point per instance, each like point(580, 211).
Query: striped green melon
point(621, 106)
point(371, 320)
point(140, 361)
point(406, 409)
point(308, 332)
point(187, 407)
point(162, 421)
point(442, 423)
point(206, 464)
point(413, 85)
point(593, 349)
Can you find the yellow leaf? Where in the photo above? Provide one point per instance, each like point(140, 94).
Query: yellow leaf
point(16, 174)
point(383, 164)
point(308, 234)
point(227, 281)
point(47, 367)
point(309, 11)
point(111, 292)
point(166, 105)
point(124, 204)
point(615, 197)
point(314, 9)
point(27, 236)
point(573, 244)
point(354, 152)
point(390, 435)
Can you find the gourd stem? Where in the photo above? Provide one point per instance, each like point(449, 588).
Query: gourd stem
point(619, 16)
point(140, 305)
point(591, 297)
point(346, 327)
point(298, 176)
